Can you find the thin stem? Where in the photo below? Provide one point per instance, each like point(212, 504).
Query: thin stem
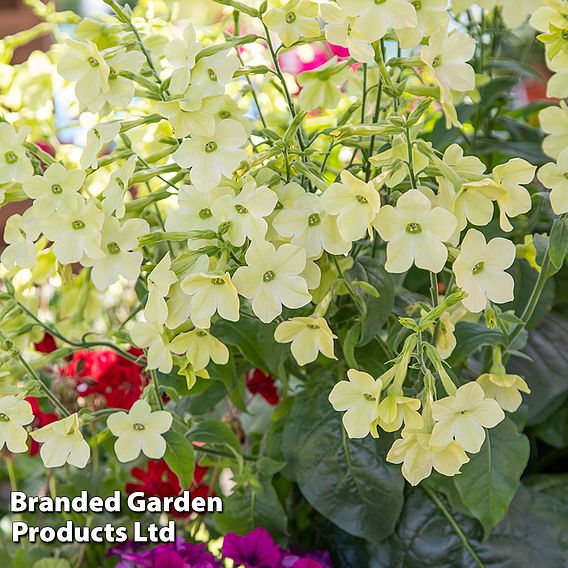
point(11, 473)
point(410, 162)
point(156, 386)
point(220, 453)
point(438, 502)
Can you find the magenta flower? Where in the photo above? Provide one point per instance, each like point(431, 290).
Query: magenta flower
point(255, 549)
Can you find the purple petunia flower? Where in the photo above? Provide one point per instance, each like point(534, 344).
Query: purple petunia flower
point(255, 549)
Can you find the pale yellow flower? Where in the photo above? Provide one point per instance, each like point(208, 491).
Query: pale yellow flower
point(309, 336)
point(294, 20)
point(200, 347)
point(396, 409)
point(20, 233)
point(463, 417)
point(62, 442)
point(139, 430)
point(480, 270)
point(211, 293)
point(359, 397)
point(555, 177)
point(504, 388)
point(415, 233)
point(14, 162)
point(181, 53)
point(160, 281)
point(14, 415)
point(321, 87)
point(272, 279)
point(515, 199)
point(554, 12)
point(554, 121)
point(419, 456)
point(97, 138)
point(446, 340)
point(152, 336)
point(432, 15)
point(355, 203)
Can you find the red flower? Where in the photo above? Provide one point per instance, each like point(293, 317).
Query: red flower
point(158, 480)
point(262, 384)
point(47, 344)
point(105, 373)
point(41, 419)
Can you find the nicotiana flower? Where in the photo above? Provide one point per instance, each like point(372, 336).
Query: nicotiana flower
point(75, 230)
point(360, 398)
point(14, 415)
point(446, 55)
point(62, 442)
point(554, 121)
point(515, 199)
point(56, 186)
point(211, 157)
point(152, 336)
point(309, 336)
point(432, 15)
point(480, 270)
point(554, 176)
point(419, 456)
point(309, 225)
point(200, 347)
point(321, 88)
point(14, 162)
point(375, 18)
point(120, 89)
point(97, 138)
point(116, 188)
point(181, 53)
point(118, 244)
point(245, 212)
point(504, 388)
point(415, 233)
point(342, 30)
point(209, 78)
point(210, 294)
point(396, 409)
point(553, 12)
point(272, 279)
point(355, 203)
point(160, 281)
point(463, 417)
point(139, 430)
point(82, 62)
point(557, 86)
point(20, 233)
point(294, 20)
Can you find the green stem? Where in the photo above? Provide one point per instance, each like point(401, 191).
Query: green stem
point(410, 162)
point(11, 473)
point(438, 502)
point(156, 386)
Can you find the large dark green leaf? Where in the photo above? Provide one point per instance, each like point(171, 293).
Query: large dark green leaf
point(490, 480)
point(470, 338)
point(347, 481)
point(372, 271)
point(425, 537)
point(547, 372)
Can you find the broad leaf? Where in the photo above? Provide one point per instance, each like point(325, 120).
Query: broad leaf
point(180, 457)
point(470, 338)
point(347, 481)
point(490, 480)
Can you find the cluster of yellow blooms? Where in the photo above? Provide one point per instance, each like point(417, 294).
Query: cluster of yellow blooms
point(252, 216)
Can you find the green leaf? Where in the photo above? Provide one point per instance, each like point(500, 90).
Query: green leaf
point(554, 430)
point(52, 563)
point(558, 245)
point(547, 370)
point(470, 338)
point(372, 272)
point(180, 457)
point(347, 481)
point(424, 537)
point(255, 341)
point(490, 480)
point(215, 433)
point(253, 505)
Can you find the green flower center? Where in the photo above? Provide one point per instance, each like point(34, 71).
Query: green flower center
point(225, 114)
point(138, 427)
point(56, 189)
point(313, 326)
point(113, 248)
point(413, 228)
point(368, 396)
point(379, 2)
point(417, 4)
point(437, 61)
point(10, 157)
point(211, 147)
point(112, 75)
point(478, 268)
point(205, 213)
point(361, 199)
point(78, 224)
point(314, 219)
point(201, 333)
point(278, 205)
point(290, 18)
point(4, 417)
point(269, 276)
point(218, 281)
point(97, 133)
point(212, 75)
point(93, 61)
point(565, 35)
point(241, 209)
